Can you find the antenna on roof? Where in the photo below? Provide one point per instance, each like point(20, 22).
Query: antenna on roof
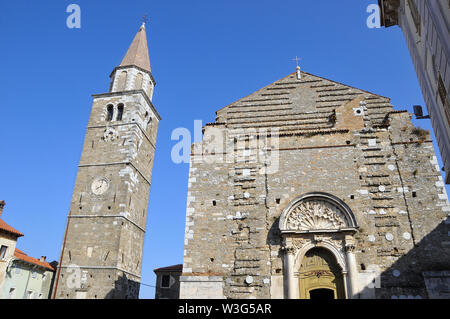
point(299, 74)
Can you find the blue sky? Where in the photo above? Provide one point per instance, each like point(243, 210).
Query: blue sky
point(204, 55)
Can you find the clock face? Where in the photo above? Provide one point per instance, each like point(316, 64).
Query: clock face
point(100, 186)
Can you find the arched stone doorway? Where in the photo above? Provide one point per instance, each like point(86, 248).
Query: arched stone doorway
point(320, 276)
point(318, 228)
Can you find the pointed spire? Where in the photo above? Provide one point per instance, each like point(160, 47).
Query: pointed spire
point(137, 53)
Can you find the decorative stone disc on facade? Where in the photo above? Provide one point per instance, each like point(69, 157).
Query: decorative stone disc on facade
point(389, 237)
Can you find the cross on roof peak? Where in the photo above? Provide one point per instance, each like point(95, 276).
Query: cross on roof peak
point(298, 73)
point(296, 60)
point(145, 19)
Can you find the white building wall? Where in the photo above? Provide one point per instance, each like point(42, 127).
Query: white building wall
point(10, 242)
point(430, 52)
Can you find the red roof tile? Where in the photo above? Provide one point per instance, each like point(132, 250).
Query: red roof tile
point(5, 227)
point(170, 268)
point(24, 257)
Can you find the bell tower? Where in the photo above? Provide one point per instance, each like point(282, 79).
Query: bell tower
point(101, 256)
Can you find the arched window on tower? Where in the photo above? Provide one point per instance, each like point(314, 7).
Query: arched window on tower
point(149, 90)
point(119, 112)
point(122, 81)
point(110, 112)
point(138, 82)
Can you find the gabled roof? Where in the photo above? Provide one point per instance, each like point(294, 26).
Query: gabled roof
point(5, 227)
point(24, 257)
point(300, 105)
point(310, 79)
point(178, 267)
point(137, 53)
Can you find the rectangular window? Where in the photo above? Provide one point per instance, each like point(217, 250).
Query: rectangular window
point(165, 281)
point(3, 250)
point(443, 95)
point(415, 15)
point(17, 271)
point(33, 274)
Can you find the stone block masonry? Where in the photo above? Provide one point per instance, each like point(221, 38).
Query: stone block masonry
point(356, 198)
point(102, 252)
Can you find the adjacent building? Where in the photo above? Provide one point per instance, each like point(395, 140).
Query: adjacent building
point(22, 276)
point(168, 282)
point(425, 25)
point(28, 278)
point(104, 238)
point(310, 188)
point(8, 242)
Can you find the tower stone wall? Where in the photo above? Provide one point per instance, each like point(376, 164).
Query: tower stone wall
point(102, 251)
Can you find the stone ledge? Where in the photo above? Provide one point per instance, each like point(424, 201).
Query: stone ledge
point(201, 279)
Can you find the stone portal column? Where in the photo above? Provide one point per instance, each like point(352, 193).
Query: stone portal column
point(289, 264)
point(344, 277)
point(352, 270)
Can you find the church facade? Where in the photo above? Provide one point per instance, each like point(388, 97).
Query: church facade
point(309, 188)
point(101, 256)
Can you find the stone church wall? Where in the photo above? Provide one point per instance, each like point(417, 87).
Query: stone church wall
point(381, 166)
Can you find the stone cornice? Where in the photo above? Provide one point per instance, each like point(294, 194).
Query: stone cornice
point(133, 66)
point(118, 163)
point(101, 267)
point(121, 124)
point(107, 216)
point(281, 149)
